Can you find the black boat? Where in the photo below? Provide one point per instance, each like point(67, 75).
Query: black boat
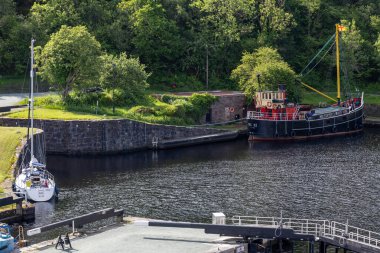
point(276, 119)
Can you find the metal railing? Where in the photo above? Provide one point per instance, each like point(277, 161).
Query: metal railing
point(330, 229)
point(297, 116)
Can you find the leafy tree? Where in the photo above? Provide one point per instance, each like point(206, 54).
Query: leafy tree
point(273, 21)
point(50, 15)
point(355, 57)
point(375, 23)
point(70, 60)
point(219, 27)
point(156, 37)
point(15, 37)
point(264, 70)
point(124, 76)
point(223, 19)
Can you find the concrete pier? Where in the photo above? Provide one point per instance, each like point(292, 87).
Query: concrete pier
point(136, 236)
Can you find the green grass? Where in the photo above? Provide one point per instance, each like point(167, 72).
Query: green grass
point(372, 99)
point(175, 111)
point(10, 138)
point(104, 113)
point(315, 99)
point(45, 113)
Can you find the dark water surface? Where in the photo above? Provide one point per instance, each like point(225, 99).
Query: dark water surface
point(335, 179)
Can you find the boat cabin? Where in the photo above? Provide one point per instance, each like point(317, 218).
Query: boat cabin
point(271, 99)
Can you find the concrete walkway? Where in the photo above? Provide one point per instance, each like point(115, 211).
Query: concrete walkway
point(135, 237)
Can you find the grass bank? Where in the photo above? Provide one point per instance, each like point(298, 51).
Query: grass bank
point(10, 139)
point(165, 109)
point(46, 113)
point(315, 99)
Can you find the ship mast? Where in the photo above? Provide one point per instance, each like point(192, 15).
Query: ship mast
point(337, 27)
point(31, 99)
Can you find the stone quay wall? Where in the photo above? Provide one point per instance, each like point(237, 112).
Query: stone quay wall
point(23, 151)
point(372, 110)
point(105, 136)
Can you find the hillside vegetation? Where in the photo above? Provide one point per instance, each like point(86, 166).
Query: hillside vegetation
point(125, 47)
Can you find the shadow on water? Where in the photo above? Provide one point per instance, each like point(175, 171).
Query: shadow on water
point(335, 179)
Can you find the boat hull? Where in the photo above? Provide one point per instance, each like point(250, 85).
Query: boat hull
point(287, 130)
point(34, 193)
point(6, 244)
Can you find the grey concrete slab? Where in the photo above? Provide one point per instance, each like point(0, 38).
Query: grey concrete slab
point(138, 238)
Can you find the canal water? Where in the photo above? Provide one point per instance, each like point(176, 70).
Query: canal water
point(336, 179)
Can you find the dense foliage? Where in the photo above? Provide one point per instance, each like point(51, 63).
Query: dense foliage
point(167, 109)
point(70, 60)
point(264, 70)
point(125, 78)
point(174, 38)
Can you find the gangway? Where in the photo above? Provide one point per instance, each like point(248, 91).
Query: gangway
point(326, 231)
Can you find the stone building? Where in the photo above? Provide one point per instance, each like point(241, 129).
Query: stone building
point(231, 105)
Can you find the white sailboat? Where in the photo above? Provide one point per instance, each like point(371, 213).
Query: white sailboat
point(34, 181)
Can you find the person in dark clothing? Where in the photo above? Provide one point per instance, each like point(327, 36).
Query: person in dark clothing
point(67, 240)
point(60, 242)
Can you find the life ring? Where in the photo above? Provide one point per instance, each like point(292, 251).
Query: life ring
point(232, 109)
point(269, 104)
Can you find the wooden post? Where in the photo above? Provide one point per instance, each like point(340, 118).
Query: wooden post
point(19, 208)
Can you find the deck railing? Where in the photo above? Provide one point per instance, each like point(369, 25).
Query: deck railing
point(297, 115)
point(330, 229)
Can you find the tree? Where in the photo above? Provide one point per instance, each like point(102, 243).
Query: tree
point(14, 39)
point(264, 70)
point(50, 15)
point(156, 38)
point(375, 23)
point(124, 76)
point(355, 56)
point(273, 21)
point(70, 60)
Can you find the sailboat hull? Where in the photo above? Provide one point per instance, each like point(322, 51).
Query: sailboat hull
point(35, 193)
point(286, 130)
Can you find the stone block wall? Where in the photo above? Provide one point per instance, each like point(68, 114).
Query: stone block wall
point(23, 152)
point(227, 107)
point(104, 136)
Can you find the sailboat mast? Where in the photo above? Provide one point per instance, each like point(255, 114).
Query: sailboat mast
point(31, 98)
point(337, 26)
